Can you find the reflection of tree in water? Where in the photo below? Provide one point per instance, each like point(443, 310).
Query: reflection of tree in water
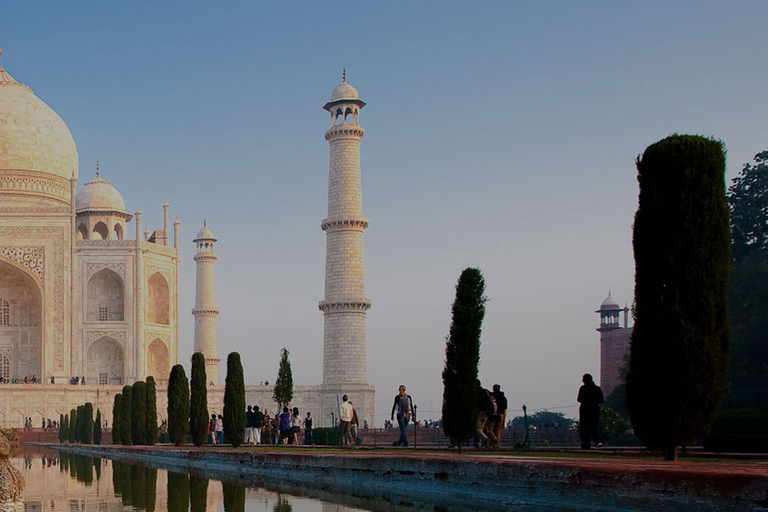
point(80, 467)
point(234, 497)
point(282, 505)
point(178, 492)
point(198, 494)
point(97, 467)
point(135, 485)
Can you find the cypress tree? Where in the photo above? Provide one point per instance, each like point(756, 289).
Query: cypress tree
point(61, 428)
point(198, 494)
point(72, 425)
point(65, 429)
point(126, 424)
point(97, 433)
point(80, 428)
point(178, 406)
point(462, 357)
point(679, 347)
point(234, 401)
point(139, 412)
point(117, 414)
point(198, 418)
point(283, 392)
point(150, 436)
point(88, 423)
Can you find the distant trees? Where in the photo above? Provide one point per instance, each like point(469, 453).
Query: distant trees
point(679, 348)
point(748, 287)
point(462, 357)
point(544, 419)
point(64, 431)
point(151, 429)
point(234, 401)
point(178, 406)
point(139, 412)
point(72, 425)
point(283, 392)
point(126, 424)
point(198, 419)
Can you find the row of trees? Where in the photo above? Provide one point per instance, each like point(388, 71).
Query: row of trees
point(188, 405)
point(79, 426)
point(134, 414)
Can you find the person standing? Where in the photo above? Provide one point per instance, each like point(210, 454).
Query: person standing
point(355, 424)
point(404, 407)
point(258, 423)
point(486, 410)
point(285, 425)
point(590, 397)
point(345, 418)
point(309, 424)
point(500, 418)
point(249, 435)
point(266, 428)
point(295, 426)
point(212, 428)
point(220, 428)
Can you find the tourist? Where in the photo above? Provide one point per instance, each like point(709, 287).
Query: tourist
point(212, 429)
point(266, 428)
point(345, 418)
point(486, 410)
point(295, 426)
point(258, 423)
point(404, 407)
point(275, 429)
point(284, 425)
point(354, 424)
point(309, 424)
point(220, 429)
point(590, 397)
point(249, 435)
point(497, 422)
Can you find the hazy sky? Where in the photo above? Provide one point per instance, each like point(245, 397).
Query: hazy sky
point(500, 135)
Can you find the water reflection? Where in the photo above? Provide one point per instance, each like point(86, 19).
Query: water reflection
point(61, 482)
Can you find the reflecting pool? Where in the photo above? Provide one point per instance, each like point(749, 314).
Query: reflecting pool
point(61, 482)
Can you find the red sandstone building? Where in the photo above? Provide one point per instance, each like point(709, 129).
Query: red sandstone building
point(614, 343)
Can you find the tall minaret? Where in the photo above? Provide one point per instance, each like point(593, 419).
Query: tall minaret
point(205, 304)
point(344, 305)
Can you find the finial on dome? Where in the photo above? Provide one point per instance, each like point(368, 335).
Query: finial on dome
point(343, 75)
point(205, 223)
point(97, 167)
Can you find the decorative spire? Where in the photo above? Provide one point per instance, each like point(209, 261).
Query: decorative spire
point(205, 223)
point(343, 75)
point(97, 167)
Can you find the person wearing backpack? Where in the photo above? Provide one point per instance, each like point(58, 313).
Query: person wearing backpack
point(404, 407)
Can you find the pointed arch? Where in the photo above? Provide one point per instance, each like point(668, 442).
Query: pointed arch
point(106, 301)
point(118, 232)
point(100, 231)
point(105, 362)
point(21, 322)
point(158, 300)
point(157, 361)
point(82, 232)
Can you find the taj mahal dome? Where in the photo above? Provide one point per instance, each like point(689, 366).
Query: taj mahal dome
point(80, 296)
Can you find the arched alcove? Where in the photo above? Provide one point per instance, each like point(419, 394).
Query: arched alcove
point(118, 232)
point(105, 297)
point(105, 362)
point(21, 315)
point(158, 300)
point(157, 361)
point(100, 231)
point(82, 232)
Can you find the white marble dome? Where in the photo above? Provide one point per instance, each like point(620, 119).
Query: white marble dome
point(204, 234)
point(610, 303)
point(99, 195)
point(38, 156)
point(344, 91)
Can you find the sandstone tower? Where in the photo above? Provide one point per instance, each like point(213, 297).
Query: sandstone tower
point(205, 304)
point(344, 305)
point(614, 343)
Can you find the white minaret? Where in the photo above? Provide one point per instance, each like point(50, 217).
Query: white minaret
point(205, 304)
point(344, 305)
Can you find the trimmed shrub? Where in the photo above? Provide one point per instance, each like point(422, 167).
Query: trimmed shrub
point(178, 406)
point(234, 401)
point(126, 424)
point(198, 417)
point(117, 416)
point(97, 430)
point(139, 412)
point(151, 429)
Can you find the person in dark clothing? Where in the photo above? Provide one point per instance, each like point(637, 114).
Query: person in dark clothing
point(486, 410)
point(500, 418)
point(403, 406)
point(590, 397)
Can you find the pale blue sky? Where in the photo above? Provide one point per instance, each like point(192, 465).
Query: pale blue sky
point(498, 134)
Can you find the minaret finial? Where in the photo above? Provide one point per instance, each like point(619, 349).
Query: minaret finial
point(343, 75)
point(97, 167)
point(205, 223)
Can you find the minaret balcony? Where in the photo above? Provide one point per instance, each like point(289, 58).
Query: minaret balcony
point(341, 224)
